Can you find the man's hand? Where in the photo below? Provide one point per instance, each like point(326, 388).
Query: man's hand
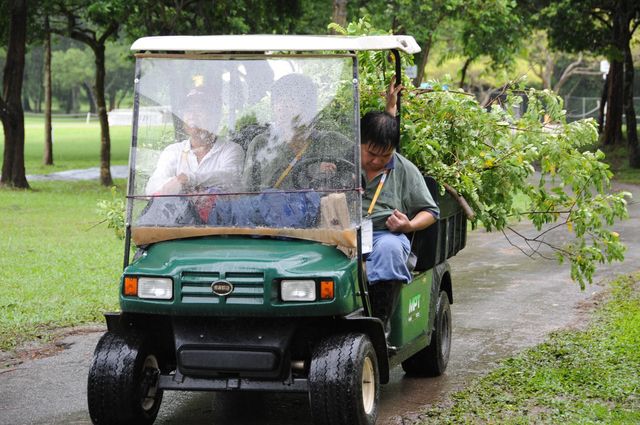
point(328, 168)
point(399, 223)
point(181, 183)
point(182, 178)
point(392, 96)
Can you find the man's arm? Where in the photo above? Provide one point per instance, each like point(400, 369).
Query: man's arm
point(399, 222)
point(164, 179)
point(250, 173)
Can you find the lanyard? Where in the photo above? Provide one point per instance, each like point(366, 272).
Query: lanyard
point(378, 190)
point(292, 164)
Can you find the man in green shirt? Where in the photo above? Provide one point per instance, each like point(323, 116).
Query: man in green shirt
point(292, 141)
point(397, 201)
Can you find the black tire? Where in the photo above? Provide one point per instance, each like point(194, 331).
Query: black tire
point(123, 382)
point(433, 359)
point(344, 383)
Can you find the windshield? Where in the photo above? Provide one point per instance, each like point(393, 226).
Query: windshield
point(262, 145)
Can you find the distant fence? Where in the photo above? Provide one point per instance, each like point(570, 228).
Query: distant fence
point(80, 115)
point(587, 107)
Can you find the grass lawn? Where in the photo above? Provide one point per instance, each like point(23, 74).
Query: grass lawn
point(576, 377)
point(56, 269)
point(76, 144)
point(618, 159)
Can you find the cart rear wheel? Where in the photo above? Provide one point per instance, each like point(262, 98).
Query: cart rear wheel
point(344, 384)
point(433, 359)
point(123, 382)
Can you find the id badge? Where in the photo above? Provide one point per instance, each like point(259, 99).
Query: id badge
point(367, 235)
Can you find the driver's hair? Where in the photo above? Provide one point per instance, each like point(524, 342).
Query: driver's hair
point(379, 130)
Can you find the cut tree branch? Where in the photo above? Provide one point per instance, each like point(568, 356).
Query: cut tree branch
point(463, 202)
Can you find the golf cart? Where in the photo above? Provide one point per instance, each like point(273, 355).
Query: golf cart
point(252, 278)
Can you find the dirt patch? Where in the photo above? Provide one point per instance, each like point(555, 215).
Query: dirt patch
point(39, 349)
point(585, 308)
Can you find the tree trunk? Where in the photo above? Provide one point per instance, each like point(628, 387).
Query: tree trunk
point(603, 103)
point(39, 100)
point(97, 44)
point(26, 105)
point(47, 158)
point(547, 72)
point(570, 70)
point(113, 95)
point(11, 113)
point(74, 102)
point(463, 72)
point(122, 96)
point(339, 15)
point(629, 110)
point(68, 101)
point(105, 140)
point(612, 134)
point(423, 62)
point(90, 97)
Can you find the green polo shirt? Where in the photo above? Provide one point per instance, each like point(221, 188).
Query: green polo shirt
point(404, 190)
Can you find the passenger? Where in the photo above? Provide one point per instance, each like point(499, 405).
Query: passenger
point(291, 138)
point(203, 161)
point(397, 201)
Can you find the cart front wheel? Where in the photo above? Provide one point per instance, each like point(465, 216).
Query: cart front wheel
point(123, 382)
point(344, 384)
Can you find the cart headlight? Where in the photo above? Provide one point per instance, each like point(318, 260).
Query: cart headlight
point(157, 288)
point(298, 290)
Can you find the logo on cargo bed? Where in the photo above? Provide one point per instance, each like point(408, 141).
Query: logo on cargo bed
point(414, 308)
point(221, 287)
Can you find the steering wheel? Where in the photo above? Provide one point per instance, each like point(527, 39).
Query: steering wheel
point(306, 174)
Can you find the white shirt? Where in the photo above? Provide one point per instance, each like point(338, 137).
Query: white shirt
point(221, 167)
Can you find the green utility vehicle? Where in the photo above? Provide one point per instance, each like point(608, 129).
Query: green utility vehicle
point(248, 270)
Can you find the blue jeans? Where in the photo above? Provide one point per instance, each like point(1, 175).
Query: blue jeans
point(388, 259)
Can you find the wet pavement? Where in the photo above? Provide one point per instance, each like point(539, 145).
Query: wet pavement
point(504, 302)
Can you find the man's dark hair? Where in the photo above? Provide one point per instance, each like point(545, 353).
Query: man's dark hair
point(379, 130)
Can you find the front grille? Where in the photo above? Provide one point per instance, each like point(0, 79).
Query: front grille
point(248, 288)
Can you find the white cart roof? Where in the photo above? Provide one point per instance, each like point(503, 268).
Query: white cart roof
point(260, 43)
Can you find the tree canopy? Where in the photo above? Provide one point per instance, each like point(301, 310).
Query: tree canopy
point(200, 17)
point(603, 27)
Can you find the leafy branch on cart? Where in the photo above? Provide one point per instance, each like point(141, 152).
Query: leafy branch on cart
point(515, 157)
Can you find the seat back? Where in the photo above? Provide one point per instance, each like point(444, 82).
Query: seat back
point(445, 237)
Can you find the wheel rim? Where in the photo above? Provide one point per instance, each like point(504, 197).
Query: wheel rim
point(445, 335)
point(368, 386)
point(149, 399)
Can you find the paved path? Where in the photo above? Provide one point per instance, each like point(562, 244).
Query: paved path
point(117, 172)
